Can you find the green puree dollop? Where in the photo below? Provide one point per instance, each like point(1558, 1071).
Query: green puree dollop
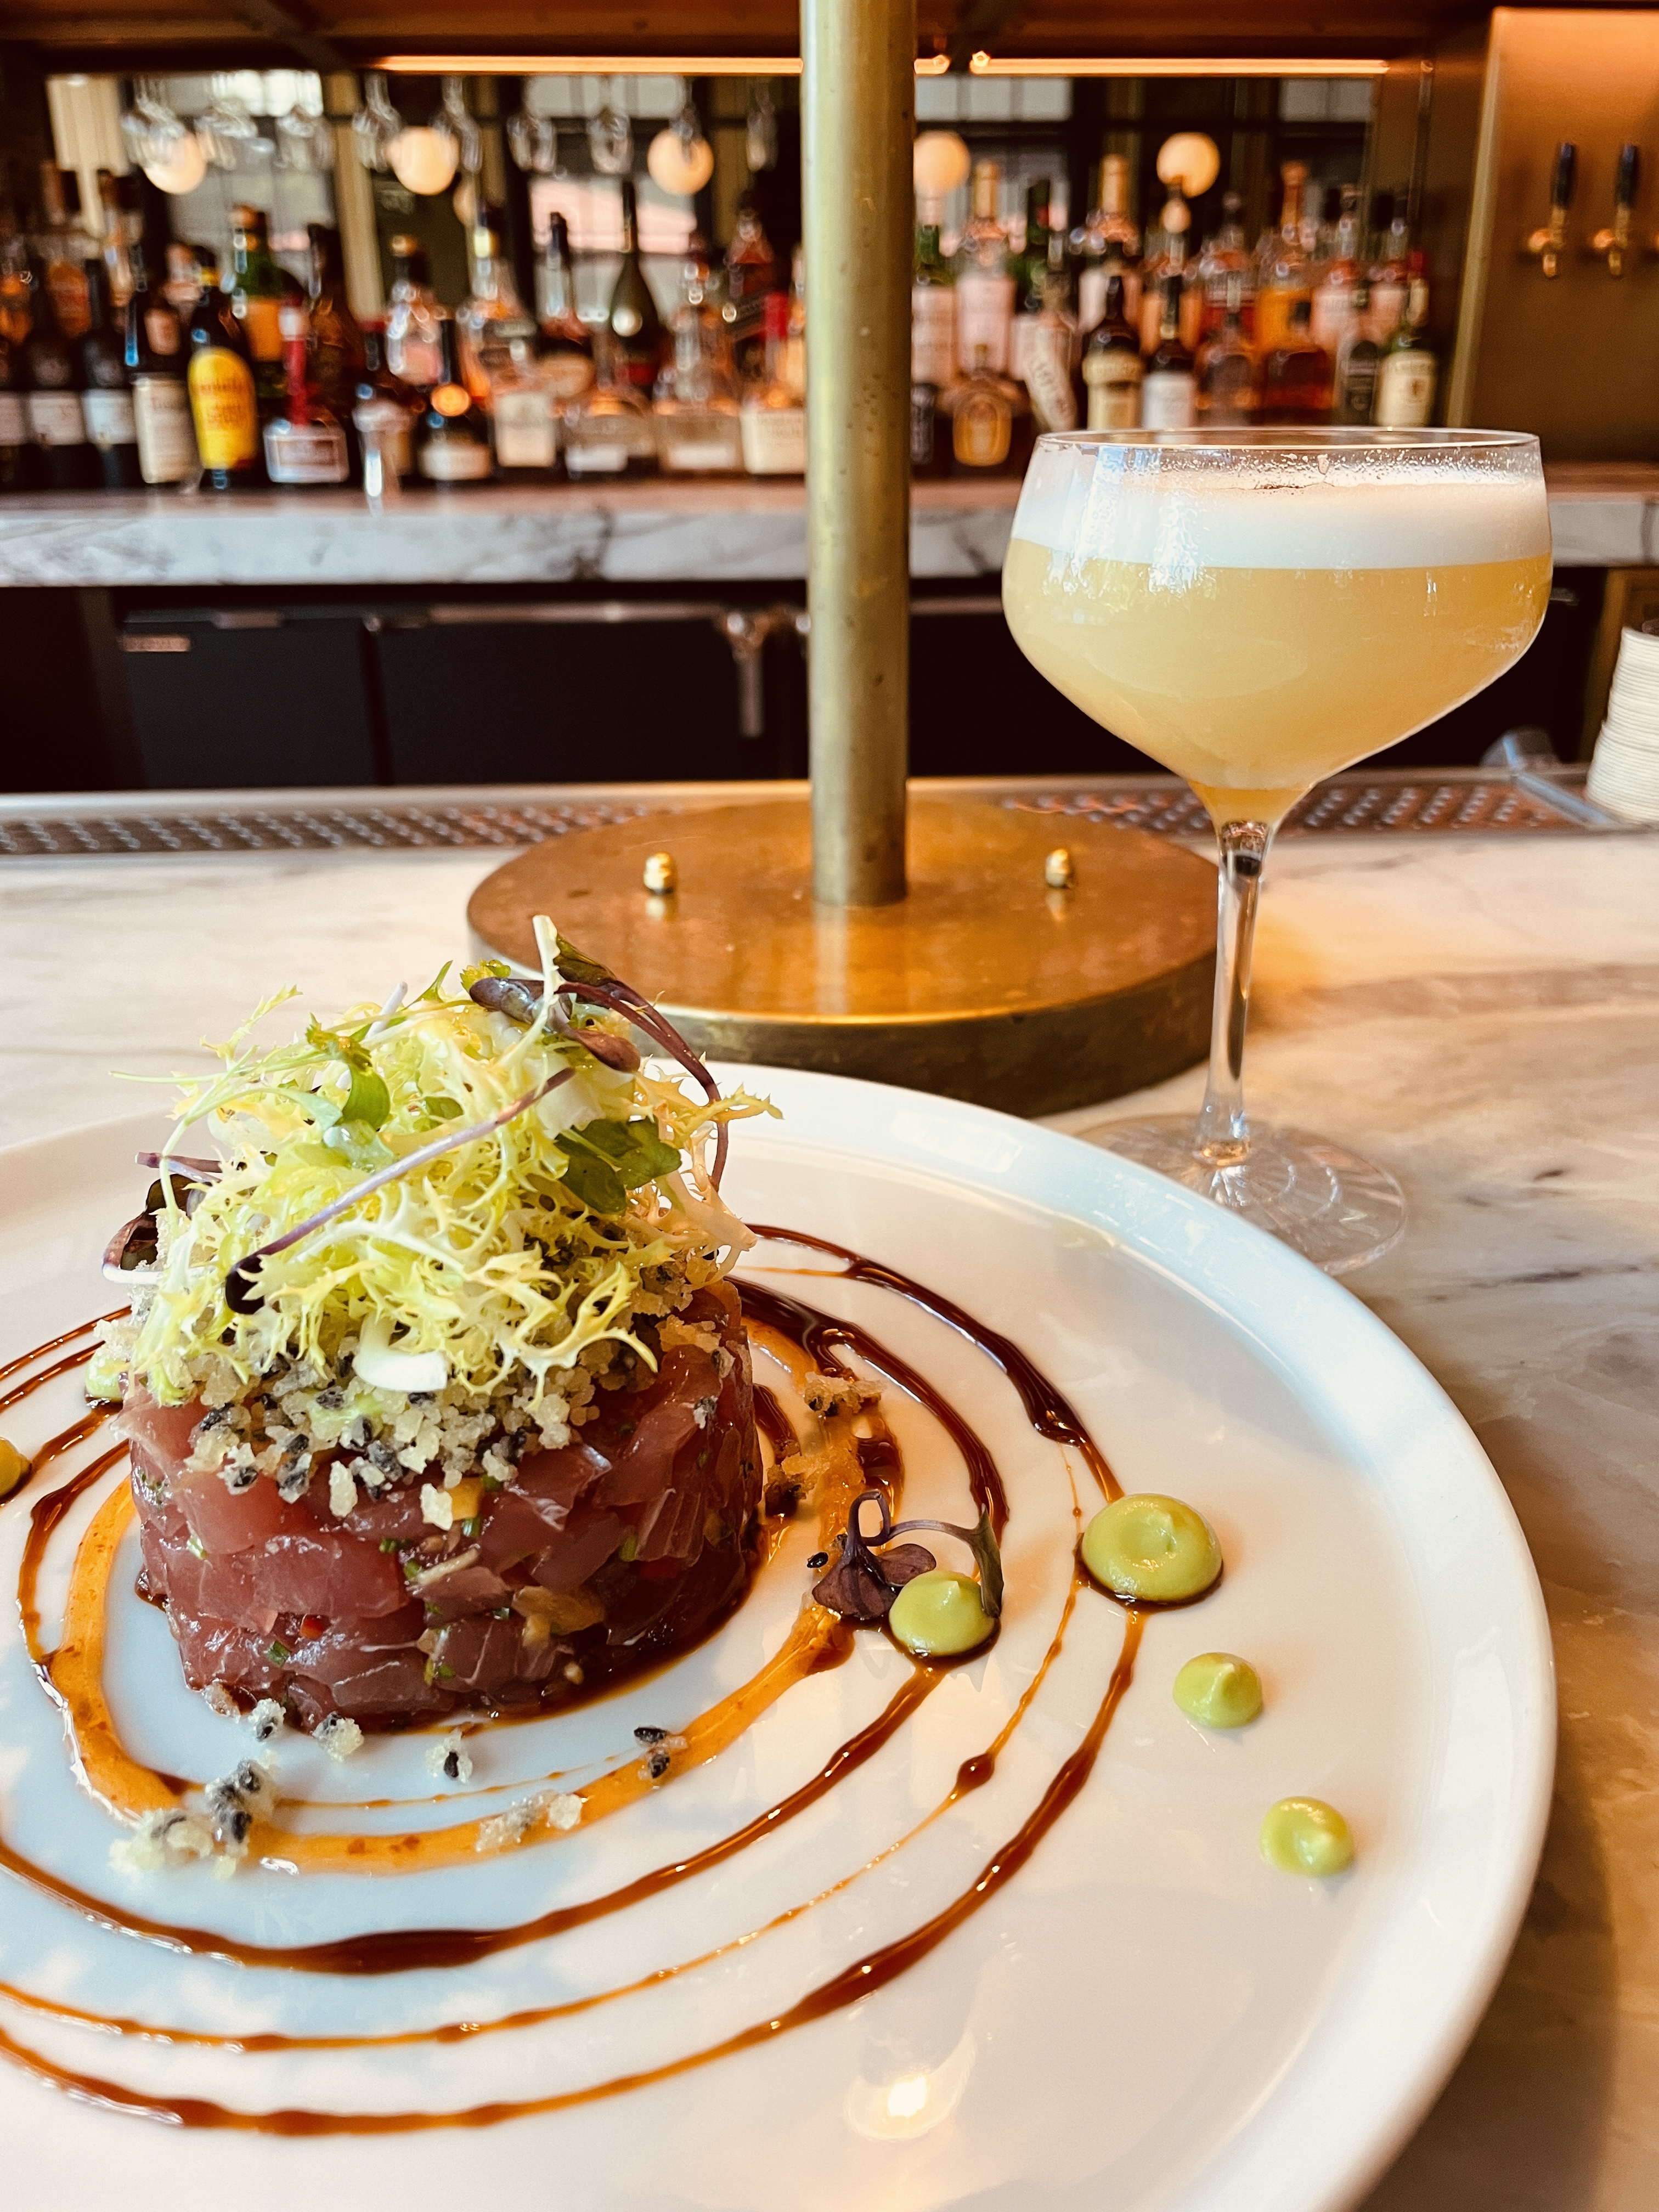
point(1303, 1835)
point(938, 1614)
point(1219, 1690)
point(1151, 1548)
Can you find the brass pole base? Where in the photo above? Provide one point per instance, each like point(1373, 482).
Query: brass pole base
point(992, 981)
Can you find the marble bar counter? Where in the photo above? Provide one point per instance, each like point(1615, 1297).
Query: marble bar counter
point(728, 533)
point(1481, 1013)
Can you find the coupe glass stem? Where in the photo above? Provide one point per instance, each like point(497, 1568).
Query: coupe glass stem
point(1222, 1139)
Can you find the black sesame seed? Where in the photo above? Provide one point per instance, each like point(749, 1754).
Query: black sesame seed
point(650, 1734)
point(453, 1766)
point(657, 1765)
point(818, 1559)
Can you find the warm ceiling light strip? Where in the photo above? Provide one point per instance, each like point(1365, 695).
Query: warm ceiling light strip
point(615, 64)
point(591, 64)
point(984, 65)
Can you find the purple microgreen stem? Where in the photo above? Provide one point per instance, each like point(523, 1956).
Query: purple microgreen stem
point(625, 1000)
point(241, 1294)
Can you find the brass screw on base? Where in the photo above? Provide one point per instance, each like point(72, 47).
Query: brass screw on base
point(1057, 870)
point(660, 873)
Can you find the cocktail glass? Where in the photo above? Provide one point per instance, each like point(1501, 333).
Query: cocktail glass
point(1257, 610)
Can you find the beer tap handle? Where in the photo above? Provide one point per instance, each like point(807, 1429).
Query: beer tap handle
point(1612, 243)
point(1548, 244)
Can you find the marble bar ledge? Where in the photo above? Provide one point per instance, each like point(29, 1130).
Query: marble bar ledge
point(733, 532)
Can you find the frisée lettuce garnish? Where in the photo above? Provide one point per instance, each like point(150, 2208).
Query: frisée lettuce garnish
point(466, 1191)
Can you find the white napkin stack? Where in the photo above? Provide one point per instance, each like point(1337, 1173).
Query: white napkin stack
point(1624, 774)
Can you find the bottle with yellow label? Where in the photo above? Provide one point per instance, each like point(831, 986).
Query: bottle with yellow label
point(223, 410)
point(257, 294)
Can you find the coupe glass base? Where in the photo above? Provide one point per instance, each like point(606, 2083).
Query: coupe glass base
point(1336, 1209)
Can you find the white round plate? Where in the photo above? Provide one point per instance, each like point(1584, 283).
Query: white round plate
point(1146, 2015)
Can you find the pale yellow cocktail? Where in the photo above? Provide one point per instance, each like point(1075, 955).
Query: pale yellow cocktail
point(1256, 639)
point(1256, 612)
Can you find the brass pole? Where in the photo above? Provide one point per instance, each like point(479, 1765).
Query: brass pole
point(858, 101)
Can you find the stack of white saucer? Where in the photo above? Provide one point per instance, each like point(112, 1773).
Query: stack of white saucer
point(1623, 776)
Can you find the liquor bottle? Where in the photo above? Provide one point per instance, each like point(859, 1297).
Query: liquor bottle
point(1030, 270)
point(751, 274)
point(1050, 347)
point(257, 294)
point(414, 345)
point(56, 423)
point(985, 282)
point(20, 461)
point(452, 439)
point(16, 279)
point(1390, 272)
point(522, 413)
point(567, 345)
point(492, 316)
point(154, 355)
point(608, 430)
point(1108, 231)
point(634, 328)
point(990, 419)
point(1333, 294)
point(698, 429)
point(183, 287)
point(105, 401)
point(772, 417)
point(1406, 372)
point(1296, 377)
point(336, 339)
point(120, 224)
point(1225, 258)
point(1227, 385)
point(383, 415)
point(1167, 256)
point(1168, 390)
point(1112, 367)
point(64, 247)
point(223, 406)
point(304, 443)
point(933, 313)
point(794, 356)
point(1357, 357)
point(1283, 272)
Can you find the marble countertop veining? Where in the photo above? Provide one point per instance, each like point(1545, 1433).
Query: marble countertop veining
point(732, 531)
point(1482, 1014)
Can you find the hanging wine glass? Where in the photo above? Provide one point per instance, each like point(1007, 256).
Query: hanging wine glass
point(453, 122)
point(305, 137)
point(376, 122)
point(226, 132)
point(610, 137)
point(533, 143)
point(760, 136)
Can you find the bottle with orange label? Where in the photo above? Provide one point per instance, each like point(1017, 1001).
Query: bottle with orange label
point(257, 295)
point(224, 412)
point(451, 438)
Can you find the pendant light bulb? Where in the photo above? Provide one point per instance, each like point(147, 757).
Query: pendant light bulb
point(423, 160)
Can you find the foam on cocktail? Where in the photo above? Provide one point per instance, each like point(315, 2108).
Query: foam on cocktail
point(1106, 505)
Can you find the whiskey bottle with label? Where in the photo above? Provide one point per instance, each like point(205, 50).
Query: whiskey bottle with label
point(219, 374)
point(452, 439)
point(1110, 238)
point(20, 462)
point(774, 417)
point(258, 290)
point(633, 324)
point(1296, 376)
point(985, 281)
point(1228, 390)
point(414, 351)
point(1168, 390)
point(990, 419)
point(58, 428)
point(154, 354)
point(105, 400)
point(1357, 358)
point(1408, 369)
point(566, 344)
point(1112, 367)
point(383, 415)
point(305, 444)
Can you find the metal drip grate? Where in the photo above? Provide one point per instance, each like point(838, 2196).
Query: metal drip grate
point(1483, 803)
point(1471, 801)
point(301, 828)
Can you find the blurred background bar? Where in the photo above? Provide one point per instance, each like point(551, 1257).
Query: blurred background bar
point(377, 410)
